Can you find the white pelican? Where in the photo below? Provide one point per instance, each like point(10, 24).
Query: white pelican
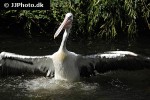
point(69, 66)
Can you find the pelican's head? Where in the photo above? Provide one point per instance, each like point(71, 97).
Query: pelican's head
point(66, 24)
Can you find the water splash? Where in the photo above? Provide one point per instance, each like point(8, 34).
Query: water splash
point(47, 84)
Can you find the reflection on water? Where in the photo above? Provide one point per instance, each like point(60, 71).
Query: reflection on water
point(118, 85)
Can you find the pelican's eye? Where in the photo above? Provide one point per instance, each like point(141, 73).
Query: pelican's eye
point(70, 17)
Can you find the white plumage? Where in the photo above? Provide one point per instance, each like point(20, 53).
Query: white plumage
point(66, 65)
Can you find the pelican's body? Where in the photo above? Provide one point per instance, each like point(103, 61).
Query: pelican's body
point(66, 65)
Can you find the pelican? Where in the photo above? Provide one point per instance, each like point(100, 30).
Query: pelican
point(69, 66)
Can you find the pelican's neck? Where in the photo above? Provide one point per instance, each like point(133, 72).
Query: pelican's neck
point(64, 40)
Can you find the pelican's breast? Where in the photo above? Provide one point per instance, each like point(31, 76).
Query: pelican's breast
point(65, 68)
point(60, 56)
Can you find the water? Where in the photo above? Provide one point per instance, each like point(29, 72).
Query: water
point(118, 85)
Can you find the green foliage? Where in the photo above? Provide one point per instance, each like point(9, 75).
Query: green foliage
point(33, 22)
point(104, 18)
point(92, 18)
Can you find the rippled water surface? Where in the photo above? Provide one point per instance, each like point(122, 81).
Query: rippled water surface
point(118, 85)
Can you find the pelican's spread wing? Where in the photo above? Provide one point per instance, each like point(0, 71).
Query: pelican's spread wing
point(11, 63)
point(112, 60)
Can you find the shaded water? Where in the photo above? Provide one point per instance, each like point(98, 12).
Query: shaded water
point(118, 85)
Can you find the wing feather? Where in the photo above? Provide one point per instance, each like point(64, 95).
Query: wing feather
point(15, 64)
point(112, 60)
